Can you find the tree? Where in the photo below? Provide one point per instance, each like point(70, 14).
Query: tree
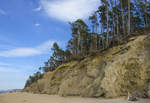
point(116, 11)
point(129, 17)
point(145, 13)
point(107, 15)
point(94, 22)
point(122, 15)
point(114, 24)
point(79, 36)
point(70, 46)
point(68, 55)
point(58, 57)
point(34, 78)
point(102, 15)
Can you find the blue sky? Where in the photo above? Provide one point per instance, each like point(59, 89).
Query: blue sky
point(28, 29)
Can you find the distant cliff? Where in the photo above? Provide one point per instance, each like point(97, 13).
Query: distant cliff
point(112, 73)
point(12, 90)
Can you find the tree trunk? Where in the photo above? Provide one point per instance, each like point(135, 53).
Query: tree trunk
point(96, 27)
point(117, 23)
point(113, 29)
point(145, 11)
point(122, 15)
point(103, 44)
point(107, 38)
point(129, 17)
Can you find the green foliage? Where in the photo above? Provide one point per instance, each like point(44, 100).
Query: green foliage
point(33, 78)
point(58, 57)
point(148, 80)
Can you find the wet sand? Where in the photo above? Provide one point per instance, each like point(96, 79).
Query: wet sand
point(43, 98)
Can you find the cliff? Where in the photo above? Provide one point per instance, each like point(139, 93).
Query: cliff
point(112, 73)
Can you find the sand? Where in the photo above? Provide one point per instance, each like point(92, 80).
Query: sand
point(42, 98)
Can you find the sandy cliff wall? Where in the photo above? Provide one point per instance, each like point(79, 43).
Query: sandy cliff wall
point(113, 73)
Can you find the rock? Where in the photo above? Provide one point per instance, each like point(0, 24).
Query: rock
point(149, 91)
point(133, 97)
point(144, 93)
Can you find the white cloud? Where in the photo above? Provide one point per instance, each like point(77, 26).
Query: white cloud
point(3, 69)
point(69, 10)
point(4, 64)
point(38, 9)
point(2, 12)
point(22, 52)
point(37, 24)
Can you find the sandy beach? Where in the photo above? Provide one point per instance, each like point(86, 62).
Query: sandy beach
point(43, 98)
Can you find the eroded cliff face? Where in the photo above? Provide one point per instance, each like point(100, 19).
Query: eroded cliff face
point(112, 73)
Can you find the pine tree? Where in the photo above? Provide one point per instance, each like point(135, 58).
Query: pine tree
point(107, 15)
point(94, 22)
point(122, 15)
point(102, 15)
point(79, 35)
point(145, 13)
point(129, 17)
point(116, 11)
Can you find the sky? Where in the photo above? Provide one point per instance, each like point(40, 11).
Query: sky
point(28, 29)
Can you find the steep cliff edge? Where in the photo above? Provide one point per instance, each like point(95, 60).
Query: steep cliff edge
point(112, 73)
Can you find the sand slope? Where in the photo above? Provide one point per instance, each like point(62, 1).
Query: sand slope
point(42, 98)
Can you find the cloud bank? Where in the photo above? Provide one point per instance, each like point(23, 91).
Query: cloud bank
point(69, 10)
point(23, 52)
